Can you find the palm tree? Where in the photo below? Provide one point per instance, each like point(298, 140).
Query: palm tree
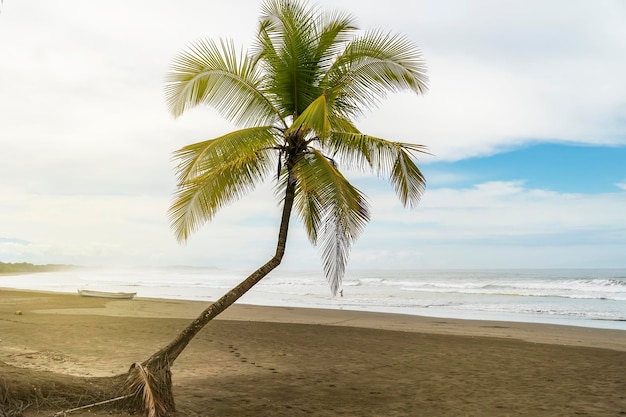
point(295, 96)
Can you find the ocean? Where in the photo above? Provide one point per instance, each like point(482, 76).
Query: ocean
point(575, 297)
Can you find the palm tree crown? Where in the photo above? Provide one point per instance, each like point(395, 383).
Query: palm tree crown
point(295, 96)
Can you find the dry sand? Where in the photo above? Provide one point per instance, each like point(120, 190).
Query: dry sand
point(269, 361)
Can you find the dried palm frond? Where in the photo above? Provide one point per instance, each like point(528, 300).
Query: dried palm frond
point(9, 406)
point(150, 389)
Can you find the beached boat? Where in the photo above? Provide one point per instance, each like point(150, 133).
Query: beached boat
point(107, 294)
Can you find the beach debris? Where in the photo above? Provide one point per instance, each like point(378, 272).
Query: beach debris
point(9, 406)
point(71, 410)
point(18, 312)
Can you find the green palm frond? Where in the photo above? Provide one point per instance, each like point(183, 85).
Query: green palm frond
point(286, 45)
point(407, 179)
point(388, 159)
point(222, 77)
point(323, 119)
point(335, 30)
point(333, 211)
point(197, 158)
point(374, 65)
point(314, 117)
point(217, 172)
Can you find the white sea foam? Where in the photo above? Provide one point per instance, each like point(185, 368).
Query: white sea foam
point(592, 298)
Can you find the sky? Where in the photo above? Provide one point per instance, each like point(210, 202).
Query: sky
point(525, 119)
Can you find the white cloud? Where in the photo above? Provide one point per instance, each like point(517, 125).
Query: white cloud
point(511, 73)
point(494, 224)
point(132, 230)
point(86, 138)
point(497, 224)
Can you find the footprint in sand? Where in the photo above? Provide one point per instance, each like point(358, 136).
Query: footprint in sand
point(235, 351)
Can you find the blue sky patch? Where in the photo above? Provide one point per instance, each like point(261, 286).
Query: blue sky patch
point(554, 167)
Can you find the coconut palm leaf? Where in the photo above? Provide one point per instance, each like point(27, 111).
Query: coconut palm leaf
point(323, 120)
point(197, 158)
point(220, 76)
point(406, 178)
point(333, 211)
point(373, 66)
point(393, 160)
point(286, 45)
point(314, 117)
point(335, 30)
point(217, 172)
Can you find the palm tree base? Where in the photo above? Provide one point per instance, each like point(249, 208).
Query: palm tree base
point(149, 387)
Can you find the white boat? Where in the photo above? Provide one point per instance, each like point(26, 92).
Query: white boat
point(107, 294)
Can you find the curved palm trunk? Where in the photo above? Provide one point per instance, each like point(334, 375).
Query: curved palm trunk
point(151, 381)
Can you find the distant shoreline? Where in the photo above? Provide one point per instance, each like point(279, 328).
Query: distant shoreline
point(28, 268)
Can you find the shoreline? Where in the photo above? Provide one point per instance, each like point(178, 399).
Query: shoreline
point(510, 300)
point(145, 307)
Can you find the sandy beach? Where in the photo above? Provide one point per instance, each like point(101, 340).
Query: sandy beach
point(270, 361)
